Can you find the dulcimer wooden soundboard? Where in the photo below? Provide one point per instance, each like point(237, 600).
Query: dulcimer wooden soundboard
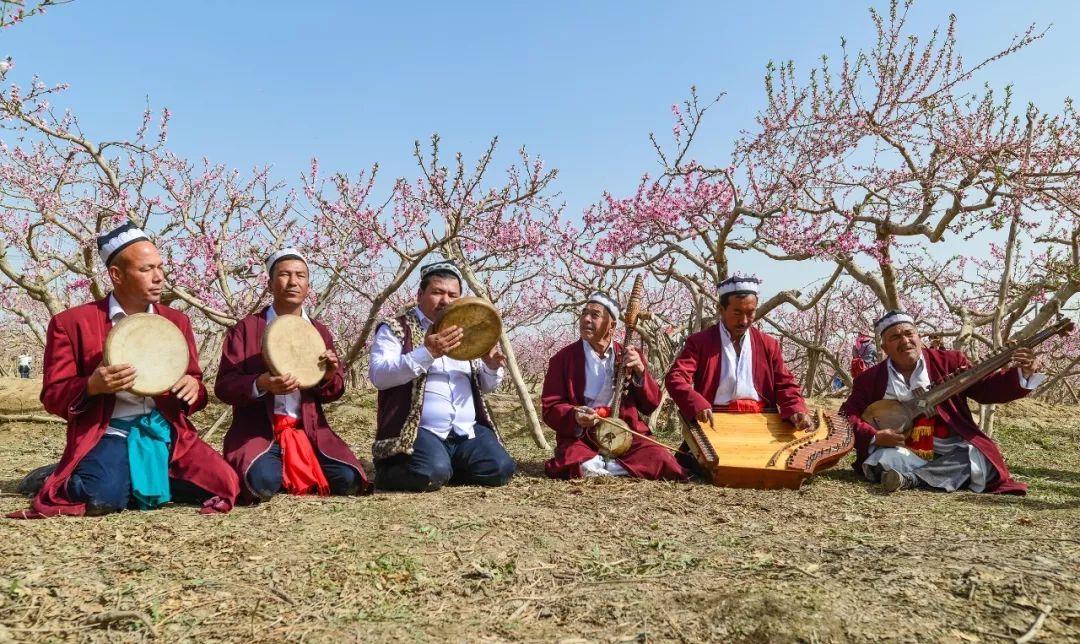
point(764, 452)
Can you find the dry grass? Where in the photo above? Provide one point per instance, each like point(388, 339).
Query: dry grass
point(546, 560)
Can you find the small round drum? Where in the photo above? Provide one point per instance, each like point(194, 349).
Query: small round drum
point(154, 346)
point(613, 437)
point(293, 345)
point(478, 318)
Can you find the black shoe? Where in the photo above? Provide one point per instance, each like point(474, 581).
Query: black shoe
point(32, 482)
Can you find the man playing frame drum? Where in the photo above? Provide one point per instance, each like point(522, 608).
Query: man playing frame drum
point(280, 439)
point(434, 426)
point(125, 450)
point(946, 452)
point(579, 388)
point(734, 368)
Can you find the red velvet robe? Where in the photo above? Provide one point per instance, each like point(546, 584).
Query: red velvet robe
point(694, 377)
point(564, 389)
point(74, 344)
point(252, 430)
point(1000, 387)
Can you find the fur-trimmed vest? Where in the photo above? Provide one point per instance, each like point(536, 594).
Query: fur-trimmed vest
point(400, 407)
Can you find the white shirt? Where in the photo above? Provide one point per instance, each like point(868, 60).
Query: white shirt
point(128, 405)
point(289, 404)
point(448, 404)
point(24, 361)
point(599, 376)
point(736, 370)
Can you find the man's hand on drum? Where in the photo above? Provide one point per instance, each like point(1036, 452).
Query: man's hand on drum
point(586, 417)
point(438, 344)
point(329, 358)
point(111, 379)
point(801, 421)
point(186, 389)
point(495, 358)
point(277, 385)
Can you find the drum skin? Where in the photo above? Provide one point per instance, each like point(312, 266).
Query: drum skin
point(293, 345)
point(478, 318)
point(154, 346)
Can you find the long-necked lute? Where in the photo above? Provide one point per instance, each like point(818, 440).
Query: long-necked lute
point(900, 415)
point(613, 436)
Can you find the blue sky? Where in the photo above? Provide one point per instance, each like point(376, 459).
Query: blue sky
point(580, 83)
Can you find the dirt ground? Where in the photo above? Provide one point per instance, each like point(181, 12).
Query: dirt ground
point(540, 560)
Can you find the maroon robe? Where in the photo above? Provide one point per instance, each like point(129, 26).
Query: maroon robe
point(564, 390)
point(252, 432)
point(73, 350)
point(999, 387)
point(694, 377)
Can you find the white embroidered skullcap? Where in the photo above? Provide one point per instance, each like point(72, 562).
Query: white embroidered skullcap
point(111, 243)
point(739, 286)
point(603, 300)
point(442, 266)
point(284, 253)
point(892, 318)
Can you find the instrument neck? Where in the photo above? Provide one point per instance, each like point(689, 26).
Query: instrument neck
point(960, 381)
point(620, 373)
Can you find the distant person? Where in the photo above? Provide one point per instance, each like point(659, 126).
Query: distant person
point(124, 450)
point(947, 452)
point(863, 355)
point(434, 426)
point(24, 366)
point(280, 439)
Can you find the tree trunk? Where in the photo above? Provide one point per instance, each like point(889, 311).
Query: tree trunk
point(987, 413)
point(523, 393)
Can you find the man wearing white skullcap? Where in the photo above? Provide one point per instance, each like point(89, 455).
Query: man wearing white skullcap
point(578, 390)
point(124, 450)
point(734, 368)
point(434, 426)
point(280, 439)
point(949, 451)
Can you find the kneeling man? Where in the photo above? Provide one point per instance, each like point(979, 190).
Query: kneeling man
point(947, 452)
point(124, 450)
point(434, 426)
point(578, 389)
point(280, 439)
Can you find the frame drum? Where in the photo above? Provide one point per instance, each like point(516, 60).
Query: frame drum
point(154, 346)
point(293, 345)
point(478, 318)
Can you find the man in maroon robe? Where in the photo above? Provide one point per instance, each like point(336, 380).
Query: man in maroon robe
point(578, 389)
point(99, 472)
point(947, 452)
point(280, 438)
point(734, 368)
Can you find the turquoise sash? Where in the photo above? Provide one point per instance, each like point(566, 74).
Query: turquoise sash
point(148, 442)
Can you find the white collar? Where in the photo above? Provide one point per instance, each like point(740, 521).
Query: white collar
point(920, 377)
point(272, 315)
point(591, 351)
point(117, 312)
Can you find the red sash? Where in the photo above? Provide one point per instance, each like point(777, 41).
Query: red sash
point(921, 439)
point(300, 470)
point(741, 406)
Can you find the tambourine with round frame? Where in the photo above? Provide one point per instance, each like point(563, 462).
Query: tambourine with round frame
point(480, 321)
point(154, 346)
point(292, 345)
